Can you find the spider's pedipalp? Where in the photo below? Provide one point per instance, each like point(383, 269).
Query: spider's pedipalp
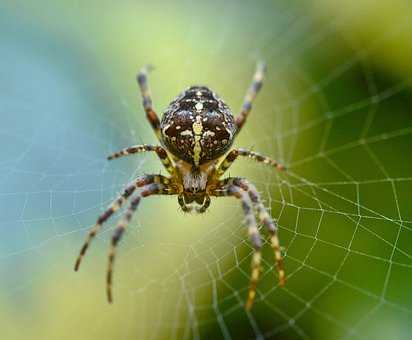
point(189, 208)
point(183, 205)
point(148, 190)
point(237, 192)
point(204, 206)
point(116, 205)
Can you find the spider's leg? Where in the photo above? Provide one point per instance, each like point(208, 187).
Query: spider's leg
point(116, 205)
point(266, 220)
point(147, 99)
point(251, 95)
point(148, 190)
point(161, 153)
point(233, 154)
point(227, 162)
point(235, 191)
point(261, 158)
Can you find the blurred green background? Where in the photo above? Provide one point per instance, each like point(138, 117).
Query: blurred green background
point(335, 108)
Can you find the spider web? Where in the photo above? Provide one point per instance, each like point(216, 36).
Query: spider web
point(333, 109)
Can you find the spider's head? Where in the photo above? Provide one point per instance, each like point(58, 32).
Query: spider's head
point(198, 126)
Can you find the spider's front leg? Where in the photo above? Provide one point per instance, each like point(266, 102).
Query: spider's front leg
point(228, 189)
point(162, 188)
point(147, 99)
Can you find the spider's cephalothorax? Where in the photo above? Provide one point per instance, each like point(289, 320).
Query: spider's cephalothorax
point(198, 126)
point(196, 132)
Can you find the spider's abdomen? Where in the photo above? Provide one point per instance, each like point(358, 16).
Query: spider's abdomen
point(198, 126)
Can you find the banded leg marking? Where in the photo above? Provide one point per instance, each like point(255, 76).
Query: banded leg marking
point(148, 190)
point(161, 153)
point(233, 154)
point(237, 192)
point(113, 207)
point(251, 94)
point(267, 221)
point(142, 79)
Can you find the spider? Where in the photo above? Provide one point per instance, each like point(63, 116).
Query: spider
point(196, 133)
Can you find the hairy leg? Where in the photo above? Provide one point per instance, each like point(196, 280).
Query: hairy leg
point(147, 99)
point(251, 93)
point(161, 153)
point(237, 192)
point(233, 155)
point(267, 221)
point(148, 190)
point(116, 205)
